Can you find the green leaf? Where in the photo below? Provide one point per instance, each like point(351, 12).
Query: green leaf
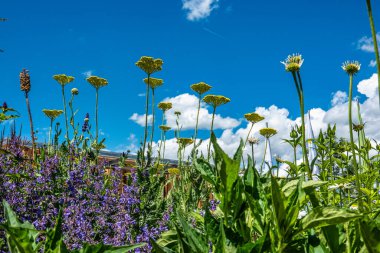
point(278, 205)
point(326, 216)
point(370, 231)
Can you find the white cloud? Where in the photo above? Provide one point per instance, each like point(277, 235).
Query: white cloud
point(339, 97)
point(87, 73)
point(132, 145)
point(199, 9)
point(372, 63)
point(187, 104)
point(140, 119)
point(141, 95)
point(365, 43)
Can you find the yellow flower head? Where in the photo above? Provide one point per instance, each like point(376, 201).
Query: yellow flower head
point(351, 67)
point(165, 128)
point(183, 142)
point(97, 82)
point(173, 171)
point(253, 117)
point(153, 82)
point(52, 114)
point(216, 100)
point(293, 63)
point(149, 65)
point(177, 113)
point(200, 88)
point(63, 79)
point(268, 132)
point(165, 106)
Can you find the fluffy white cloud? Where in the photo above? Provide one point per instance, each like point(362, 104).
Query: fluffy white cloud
point(187, 104)
point(339, 97)
point(199, 9)
point(372, 63)
point(87, 73)
point(140, 119)
point(365, 43)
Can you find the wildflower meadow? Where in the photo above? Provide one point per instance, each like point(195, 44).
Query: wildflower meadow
point(67, 193)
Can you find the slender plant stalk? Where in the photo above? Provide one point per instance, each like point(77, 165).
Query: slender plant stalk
point(249, 132)
point(96, 115)
point(146, 115)
point(253, 155)
point(196, 123)
point(163, 152)
point(31, 122)
point(357, 179)
point(375, 45)
point(212, 128)
point(152, 133)
point(302, 109)
point(50, 130)
point(64, 111)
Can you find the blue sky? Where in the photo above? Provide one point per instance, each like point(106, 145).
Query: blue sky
point(234, 45)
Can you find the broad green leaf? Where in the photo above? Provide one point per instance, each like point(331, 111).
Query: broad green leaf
point(370, 231)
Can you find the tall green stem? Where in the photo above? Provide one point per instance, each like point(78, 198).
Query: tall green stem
point(146, 114)
point(152, 133)
point(196, 123)
point(249, 132)
point(253, 155)
point(64, 111)
point(302, 109)
point(212, 128)
point(31, 122)
point(96, 115)
point(51, 128)
point(357, 179)
point(375, 45)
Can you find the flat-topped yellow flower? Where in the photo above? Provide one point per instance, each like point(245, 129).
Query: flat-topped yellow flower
point(165, 128)
point(268, 132)
point(178, 113)
point(149, 65)
point(97, 82)
point(357, 127)
point(63, 79)
point(165, 106)
point(201, 87)
point(173, 171)
point(52, 114)
point(253, 117)
point(185, 141)
point(293, 62)
point(154, 82)
point(351, 67)
point(216, 100)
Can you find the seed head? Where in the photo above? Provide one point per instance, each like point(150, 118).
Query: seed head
point(201, 87)
point(253, 141)
point(25, 80)
point(351, 67)
point(293, 62)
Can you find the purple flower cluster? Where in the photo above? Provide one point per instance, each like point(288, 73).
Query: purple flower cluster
point(85, 123)
point(97, 205)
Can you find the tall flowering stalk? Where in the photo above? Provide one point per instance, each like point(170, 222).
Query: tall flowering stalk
point(63, 79)
point(164, 106)
point(267, 132)
point(351, 68)
point(164, 129)
point(25, 87)
point(215, 101)
point(253, 141)
point(153, 83)
point(52, 115)
point(149, 65)
point(293, 64)
point(74, 92)
point(97, 83)
point(375, 45)
point(199, 88)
